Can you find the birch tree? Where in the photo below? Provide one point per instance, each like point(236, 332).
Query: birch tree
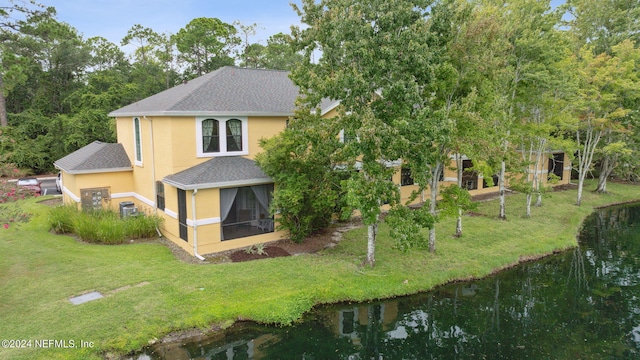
point(602, 80)
point(528, 27)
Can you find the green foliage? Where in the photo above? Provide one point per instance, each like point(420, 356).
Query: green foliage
point(62, 219)
point(256, 249)
point(406, 226)
point(308, 192)
point(12, 214)
point(10, 192)
point(102, 226)
point(455, 200)
point(206, 43)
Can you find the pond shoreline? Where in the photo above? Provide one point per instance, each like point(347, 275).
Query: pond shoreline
point(193, 333)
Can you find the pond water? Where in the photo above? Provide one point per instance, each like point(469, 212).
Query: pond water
point(581, 304)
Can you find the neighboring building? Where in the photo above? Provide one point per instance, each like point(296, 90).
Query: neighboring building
point(186, 154)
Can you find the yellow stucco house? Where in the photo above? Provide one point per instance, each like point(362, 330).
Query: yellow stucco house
point(186, 154)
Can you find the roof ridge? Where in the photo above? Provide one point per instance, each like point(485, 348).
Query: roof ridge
point(99, 146)
point(203, 80)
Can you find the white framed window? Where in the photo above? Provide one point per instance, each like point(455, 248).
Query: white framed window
point(221, 136)
point(137, 141)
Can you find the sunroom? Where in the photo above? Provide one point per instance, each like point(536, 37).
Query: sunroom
point(222, 203)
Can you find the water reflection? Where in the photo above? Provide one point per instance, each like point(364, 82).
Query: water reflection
point(581, 304)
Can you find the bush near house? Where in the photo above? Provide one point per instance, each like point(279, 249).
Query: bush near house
point(102, 227)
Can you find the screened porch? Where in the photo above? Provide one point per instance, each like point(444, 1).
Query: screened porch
point(245, 211)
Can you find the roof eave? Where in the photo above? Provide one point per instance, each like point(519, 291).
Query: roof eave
point(198, 113)
point(222, 184)
point(92, 171)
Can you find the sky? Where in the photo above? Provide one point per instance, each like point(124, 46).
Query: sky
point(112, 19)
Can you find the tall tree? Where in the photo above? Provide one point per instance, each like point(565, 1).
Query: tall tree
point(206, 44)
point(375, 61)
point(280, 54)
point(528, 28)
point(145, 41)
point(604, 23)
point(11, 21)
point(603, 82)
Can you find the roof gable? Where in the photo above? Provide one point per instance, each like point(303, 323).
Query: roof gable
point(95, 157)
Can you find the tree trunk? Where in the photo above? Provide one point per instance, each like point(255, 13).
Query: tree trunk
point(435, 177)
point(529, 198)
point(3, 104)
point(459, 224)
point(372, 231)
point(503, 171)
point(606, 169)
point(459, 171)
point(580, 184)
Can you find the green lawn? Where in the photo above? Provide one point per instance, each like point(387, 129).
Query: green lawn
point(40, 271)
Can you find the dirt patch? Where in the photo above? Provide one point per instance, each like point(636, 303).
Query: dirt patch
point(56, 201)
point(564, 187)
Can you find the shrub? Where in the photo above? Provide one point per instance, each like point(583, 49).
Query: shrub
point(11, 213)
point(102, 226)
point(10, 192)
point(142, 226)
point(9, 170)
point(61, 219)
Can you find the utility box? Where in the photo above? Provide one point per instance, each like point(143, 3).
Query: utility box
point(127, 208)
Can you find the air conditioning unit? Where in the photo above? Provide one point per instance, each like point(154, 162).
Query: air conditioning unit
point(127, 208)
point(129, 211)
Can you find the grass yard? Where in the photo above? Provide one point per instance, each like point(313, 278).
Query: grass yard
point(148, 293)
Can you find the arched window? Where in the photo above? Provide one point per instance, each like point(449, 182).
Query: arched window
point(137, 141)
point(210, 136)
point(234, 135)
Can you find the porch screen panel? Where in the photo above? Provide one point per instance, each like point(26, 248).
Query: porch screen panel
point(182, 214)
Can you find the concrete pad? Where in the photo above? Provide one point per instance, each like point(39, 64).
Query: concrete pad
point(86, 297)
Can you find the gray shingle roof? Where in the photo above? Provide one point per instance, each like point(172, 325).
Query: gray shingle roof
point(228, 171)
point(227, 91)
point(95, 157)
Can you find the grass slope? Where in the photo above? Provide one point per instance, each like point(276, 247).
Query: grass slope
point(40, 271)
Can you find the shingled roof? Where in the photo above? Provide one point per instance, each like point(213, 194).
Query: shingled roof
point(227, 91)
point(95, 157)
point(229, 171)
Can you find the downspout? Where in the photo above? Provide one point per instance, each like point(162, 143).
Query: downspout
point(195, 225)
point(153, 174)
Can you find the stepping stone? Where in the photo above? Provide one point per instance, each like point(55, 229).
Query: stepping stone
point(86, 297)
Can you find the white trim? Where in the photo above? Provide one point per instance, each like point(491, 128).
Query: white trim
point(330, 107)
point(96, 171)
point(452, 156)
point(450, 179)
point(171, 213)
point(123, 195)
point(222, 184)
point(133, 195)
point(222, 136)
point(197, 113)
point(71, 195)
point(200, 222)
point(137, 161)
